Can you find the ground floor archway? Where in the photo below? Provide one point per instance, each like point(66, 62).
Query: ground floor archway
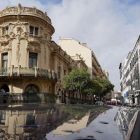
point(5, 88)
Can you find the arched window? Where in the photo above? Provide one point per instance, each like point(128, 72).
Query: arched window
point(5, 88)
point(31, 89)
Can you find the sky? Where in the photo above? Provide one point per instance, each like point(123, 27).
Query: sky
point(109, 27)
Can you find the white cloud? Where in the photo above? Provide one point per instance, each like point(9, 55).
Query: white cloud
point(109, 27)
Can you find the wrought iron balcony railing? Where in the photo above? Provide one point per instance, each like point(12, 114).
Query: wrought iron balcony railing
point(31, 72)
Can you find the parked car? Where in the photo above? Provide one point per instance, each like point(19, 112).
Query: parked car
point(100, 103)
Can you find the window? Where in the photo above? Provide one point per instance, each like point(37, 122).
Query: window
point(30, 119)
point(2, 117)
point(5, 60)
point(32, 60)
point(59, 73)
point(65, 72)
point(5, 31)
point(33, 30)
point(36, 31)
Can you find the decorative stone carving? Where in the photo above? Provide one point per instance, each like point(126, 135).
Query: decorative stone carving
point(65, 67)
point(35, 40)
point(18, 54)
point(4, 40)
point(32, 48)
point(19, 26)
point(45, 54)
point(19, 10)
point(58, 63)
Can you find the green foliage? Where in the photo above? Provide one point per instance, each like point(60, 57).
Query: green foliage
point(81, 81)
point(93, 88)
point(80, 110)
point(106, 85)
point(76, 80)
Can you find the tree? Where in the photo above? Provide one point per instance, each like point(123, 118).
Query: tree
point(76, 80)
point(106, 86)
point(93, 88)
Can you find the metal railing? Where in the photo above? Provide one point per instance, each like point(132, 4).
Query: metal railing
point(27, 98)
point(24, 71)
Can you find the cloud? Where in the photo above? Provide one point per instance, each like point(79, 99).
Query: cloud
point(109, 27)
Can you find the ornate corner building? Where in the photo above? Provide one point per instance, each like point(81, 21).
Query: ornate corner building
point(30, 62)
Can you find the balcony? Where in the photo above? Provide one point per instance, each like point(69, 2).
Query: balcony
point(128, 83)
point(27, 72)
point(35, 40)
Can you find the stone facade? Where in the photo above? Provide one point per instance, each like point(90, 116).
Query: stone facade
point(29, 60)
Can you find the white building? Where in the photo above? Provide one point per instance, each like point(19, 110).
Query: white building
point(129, 75)
point(74, 47)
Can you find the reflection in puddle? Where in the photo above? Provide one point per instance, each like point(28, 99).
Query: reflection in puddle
point(33, 124)
point(125, 119)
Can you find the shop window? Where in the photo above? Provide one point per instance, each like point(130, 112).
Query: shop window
point(32, 60)
point(5, 60)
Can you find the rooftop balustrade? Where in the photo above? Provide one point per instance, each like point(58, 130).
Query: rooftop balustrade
point(27, 72)
point(19, 10)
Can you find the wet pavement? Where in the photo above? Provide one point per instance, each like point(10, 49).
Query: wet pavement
point(69, 122)
point(127, 119)
point(102, 128)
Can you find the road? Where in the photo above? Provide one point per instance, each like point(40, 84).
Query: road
point(102, 128)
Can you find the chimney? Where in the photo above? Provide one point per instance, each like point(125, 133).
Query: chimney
point(84, 44)
point(59, 37)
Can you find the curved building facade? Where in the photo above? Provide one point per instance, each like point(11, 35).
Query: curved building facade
point(30, 62)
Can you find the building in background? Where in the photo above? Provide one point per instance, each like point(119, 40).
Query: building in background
point(106, 74)
point(117, 95)
point(125, 89)
point(74, 47)
point(130, 76)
